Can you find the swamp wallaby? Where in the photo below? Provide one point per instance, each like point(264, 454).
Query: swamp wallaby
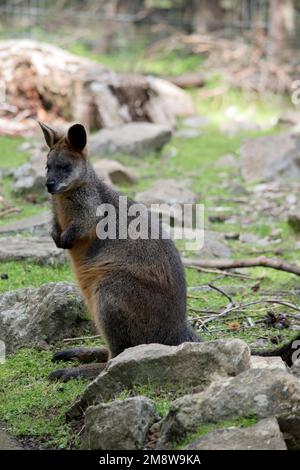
point(134, 288)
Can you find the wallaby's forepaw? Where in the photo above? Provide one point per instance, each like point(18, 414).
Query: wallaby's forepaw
point(56, 238)
point(66, 243)
point(60, 374)
point(84, 355)
point(90, 371)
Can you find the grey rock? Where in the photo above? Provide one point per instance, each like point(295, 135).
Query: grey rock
point(40, 250)
point(265, 435)
point(187, 365)
point(254, 239)
point(34, 316)
point(260, 392)
point(291, 117)
point(295, 369)
point(8, 443)
point(167, 192)
point(113, 172)
point(177, 102)
point(214, 246)
point(187, 133)
point(259, 345)
point(271, 362)
point(137, 139)
point(37, 224)
point(236, 126)
point(119, 425)
point(29, 178)
point(228, 160)
point(173, 216)
point(271, 157)
point(196, 122)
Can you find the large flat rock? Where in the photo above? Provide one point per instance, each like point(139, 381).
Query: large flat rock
point(37, 224)
point(137, 138)
point(40, 250)
point(271, 157)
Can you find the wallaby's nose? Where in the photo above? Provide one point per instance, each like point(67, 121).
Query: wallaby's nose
point(50, 186)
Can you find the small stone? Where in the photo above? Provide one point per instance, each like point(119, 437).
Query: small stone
point(196, 122)
point(232, 236)
point(214, 246)
point(167, 191)
point(229, 161)
point(236, 126)
point(119, 425)
point(113, 172)
point(271, 362)
point(187, 134)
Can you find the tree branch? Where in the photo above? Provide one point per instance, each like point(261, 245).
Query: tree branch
point(261, 261)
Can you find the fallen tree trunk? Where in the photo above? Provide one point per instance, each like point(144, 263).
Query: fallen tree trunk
point(41, 81)
point(188, 80)
point(261, 261)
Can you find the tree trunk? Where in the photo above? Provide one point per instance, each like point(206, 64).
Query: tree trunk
point(281, 27)
point(205, 15)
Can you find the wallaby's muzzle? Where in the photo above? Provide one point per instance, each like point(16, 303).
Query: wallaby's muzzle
point(50, 185)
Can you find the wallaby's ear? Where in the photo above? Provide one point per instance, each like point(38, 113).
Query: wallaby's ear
point(77, 137)
point(51, 136)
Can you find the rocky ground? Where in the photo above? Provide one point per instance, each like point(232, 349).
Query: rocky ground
point(201, 396)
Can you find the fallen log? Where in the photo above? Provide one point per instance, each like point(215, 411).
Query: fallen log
point(261, 261)
point(188, 80)
point(41, 81)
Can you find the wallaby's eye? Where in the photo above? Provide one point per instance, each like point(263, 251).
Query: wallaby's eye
point(66, 168)
point(63, 168)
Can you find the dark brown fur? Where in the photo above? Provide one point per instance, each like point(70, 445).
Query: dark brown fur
point(134, 289)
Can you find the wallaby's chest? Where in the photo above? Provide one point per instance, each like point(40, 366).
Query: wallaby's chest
point(64, 212)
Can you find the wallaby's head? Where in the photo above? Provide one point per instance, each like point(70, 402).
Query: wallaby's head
point(67, 158)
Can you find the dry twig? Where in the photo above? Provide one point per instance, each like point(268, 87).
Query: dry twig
point(261, 261)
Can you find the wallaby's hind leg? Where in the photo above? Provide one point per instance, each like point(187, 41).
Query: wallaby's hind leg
point(87, 371)
point(114, 324)
point(83, 355)
point(97, 356)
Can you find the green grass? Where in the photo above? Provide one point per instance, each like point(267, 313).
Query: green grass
point(11, 156)
point(136, 60)
point(243, 422)
point(234, 103)
point(23, 274)
point(161, 395)
point(31, 407)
